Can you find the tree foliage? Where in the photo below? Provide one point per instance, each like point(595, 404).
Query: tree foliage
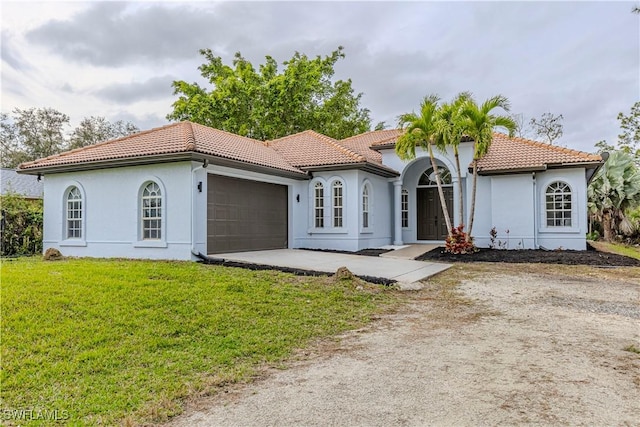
point(34, 133)
point(548, 127)
point(614, 189)
point(629, 137)
point(266, 103)
point(22, 224)
point(92, 130)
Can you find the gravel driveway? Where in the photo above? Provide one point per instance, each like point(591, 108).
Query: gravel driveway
point(504, 347)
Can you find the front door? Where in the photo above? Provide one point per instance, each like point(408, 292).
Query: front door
point(431, 220)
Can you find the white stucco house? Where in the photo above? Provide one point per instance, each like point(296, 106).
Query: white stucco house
point(186, 189)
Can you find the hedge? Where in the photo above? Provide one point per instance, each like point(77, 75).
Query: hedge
point(21, 224)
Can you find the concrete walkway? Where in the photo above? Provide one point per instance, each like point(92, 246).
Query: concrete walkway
point(407, 273)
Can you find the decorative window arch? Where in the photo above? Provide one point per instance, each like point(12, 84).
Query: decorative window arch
point(428, 177)
point(74, 213)
point(404, 207)
point(337, 199)
point(366, 205)
point(559, 204)
point(318, 205)
point(151, 207)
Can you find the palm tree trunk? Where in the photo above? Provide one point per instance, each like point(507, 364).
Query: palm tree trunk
point(443, 202)
point(460, 199)
point(606, 226)
point(472, 210)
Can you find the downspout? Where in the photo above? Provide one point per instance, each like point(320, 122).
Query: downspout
point(194, 251)
point(535, 211)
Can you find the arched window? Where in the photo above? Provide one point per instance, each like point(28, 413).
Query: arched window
point(404, 208)
point(337, 203)
point(151, 214)
point(429, 176)
point(365, 206)
point(318, 205)
point(74, 213)
point(558, 204)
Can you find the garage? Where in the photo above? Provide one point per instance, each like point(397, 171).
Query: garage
point(244, 215)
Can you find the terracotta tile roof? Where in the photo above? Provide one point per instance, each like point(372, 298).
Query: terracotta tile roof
point(511, 154)
point(362, 143)
point(310, 148)
point(176, 138)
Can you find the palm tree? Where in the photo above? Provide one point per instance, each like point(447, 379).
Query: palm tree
point(450, 133)
point(422, 130)
point(478, 123)
point(614, 189)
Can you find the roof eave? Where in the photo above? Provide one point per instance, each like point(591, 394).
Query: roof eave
point(107, 164)
point(365, 166)
point(239, 164)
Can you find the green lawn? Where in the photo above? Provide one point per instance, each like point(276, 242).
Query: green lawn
point(106, 342)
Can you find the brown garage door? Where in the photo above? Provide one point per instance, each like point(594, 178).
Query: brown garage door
point(245, 215)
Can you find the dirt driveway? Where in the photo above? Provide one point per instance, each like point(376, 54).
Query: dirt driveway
point(482, 344)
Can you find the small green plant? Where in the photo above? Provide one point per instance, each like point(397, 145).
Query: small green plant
point(457, 242)
point(632, 348)
point(593, 236)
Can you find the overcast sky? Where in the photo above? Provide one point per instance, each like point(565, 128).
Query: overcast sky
point(118, 60)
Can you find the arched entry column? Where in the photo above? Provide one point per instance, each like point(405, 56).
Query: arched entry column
point(397, 212)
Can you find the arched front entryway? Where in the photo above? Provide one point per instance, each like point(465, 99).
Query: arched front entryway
point(430, 220)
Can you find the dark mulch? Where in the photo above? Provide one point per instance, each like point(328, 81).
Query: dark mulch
point(589, 257)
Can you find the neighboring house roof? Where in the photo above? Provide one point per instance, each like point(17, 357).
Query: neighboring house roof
point(517, 154)
point(24, 185)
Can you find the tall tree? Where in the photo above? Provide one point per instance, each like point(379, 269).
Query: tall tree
point(548, 127)
point(479, 123)
point(422, 130)
point(629, 137)
point(267, 104)
point(92, 130)
point(614, 189)
point(40, 131)
point(450, 131)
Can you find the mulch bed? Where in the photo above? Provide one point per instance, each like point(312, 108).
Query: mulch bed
point(589, 257)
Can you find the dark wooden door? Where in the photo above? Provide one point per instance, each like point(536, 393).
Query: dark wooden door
point(431, 221)
point(245, 215)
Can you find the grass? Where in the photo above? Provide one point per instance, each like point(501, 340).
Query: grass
point(632, 348)
point(617, 248)
point(111, 342)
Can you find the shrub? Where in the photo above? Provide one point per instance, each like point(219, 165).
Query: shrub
point(22, 221)
point(458, 242)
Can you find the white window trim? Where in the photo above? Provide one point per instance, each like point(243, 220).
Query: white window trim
point(369, 228)
point(404, 192)
point(332, 215)
point(547, 229)
point(151, 243)
point(74, 241)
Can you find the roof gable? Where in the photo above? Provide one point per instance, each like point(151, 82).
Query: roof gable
point(362, 143)
point(310, 148)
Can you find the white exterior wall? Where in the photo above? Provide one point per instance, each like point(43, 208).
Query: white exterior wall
point(573, 237)
point(111, 212)
point(351, 236)
point(514, 202)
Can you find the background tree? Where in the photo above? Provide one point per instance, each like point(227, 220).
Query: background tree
point(422, 130)
point(613, 191)
point(268, 104)
point(548, 127)
point(629, 137)
point(33, 133)
point(479, 123)
point(92, 130)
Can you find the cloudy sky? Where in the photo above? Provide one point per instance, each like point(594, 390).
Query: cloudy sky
point(118, 59)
